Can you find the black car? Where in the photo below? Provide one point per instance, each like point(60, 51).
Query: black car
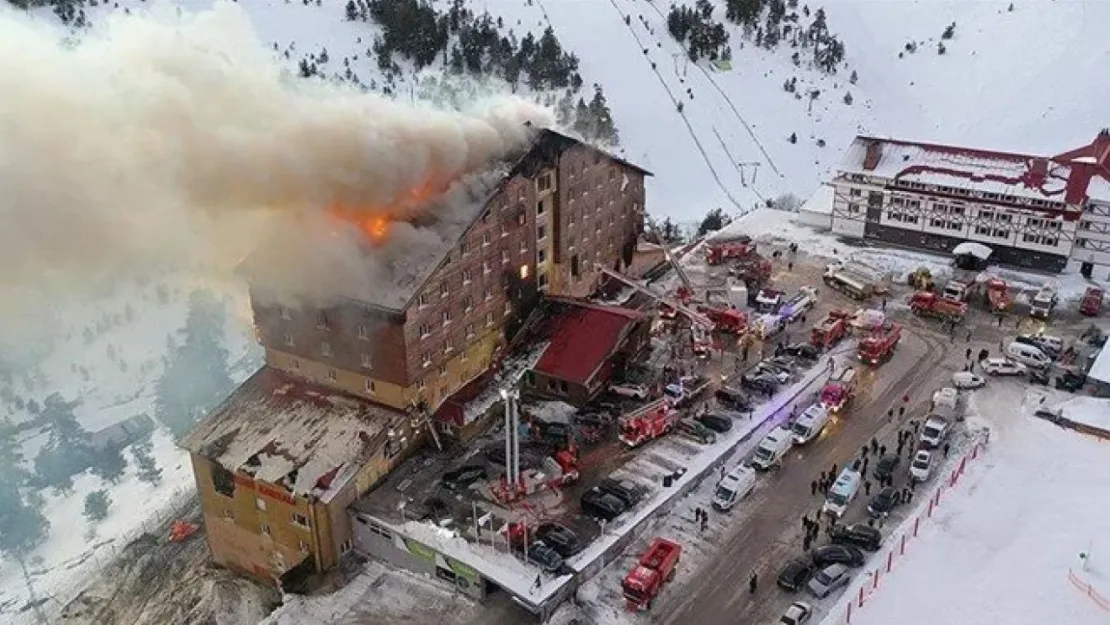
point(717, 423)
point(559, 538)
point(857, 535)
point(554, 431)
point(463, 477)
point(594, 419)
point(883, 502)
point(600, 505)
point(1070, 381)
point(544, 557)
point(733, 398)
point(627, 493)
point(885, 467)
point(795, 574)
point(803, 350)
point(1038, 376)
point(759, 383)
point(837, 554)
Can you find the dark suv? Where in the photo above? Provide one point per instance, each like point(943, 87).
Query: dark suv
point(544, 557)
point(857, 535)
point(795, 574)
point(600, 505)
point(559, 538)
point(734, 399)
point(625, 492)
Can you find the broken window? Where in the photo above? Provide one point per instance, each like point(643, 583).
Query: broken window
point(223, 481)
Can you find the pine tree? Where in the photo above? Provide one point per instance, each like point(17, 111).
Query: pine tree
point(940, 48)
point(713, 221)
point(848, 98)
point(352, 11)
point(96, 506)
point(793, 137)
point(949, 31)
point(603, 118)
point(148, 469)
point(854, 77)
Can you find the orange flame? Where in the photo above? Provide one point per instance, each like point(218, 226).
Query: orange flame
point(374, 221)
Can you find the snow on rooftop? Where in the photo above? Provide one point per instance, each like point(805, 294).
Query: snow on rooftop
point(551, 411)
point(1093, 411)
point(821, 201)
point(1100, 370)
point(963, 168)
point(281, 430)
point(1001, 547)
point(978, 250)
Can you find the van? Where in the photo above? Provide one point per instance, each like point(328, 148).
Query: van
point(946, 402)
point(1028, 355)
point(934, 431)
point(771, 449)
point(733, 487)
point(841, 493)
point(811, 423)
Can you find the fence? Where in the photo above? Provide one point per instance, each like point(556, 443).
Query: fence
point(1086, 588)
point(857, 596)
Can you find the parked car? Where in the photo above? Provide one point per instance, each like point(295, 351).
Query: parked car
point(827, 580)
point(1050, 345)
point(600, 505)
point(921, 466)
point(716, 422)
point(1003, 366)
point(694, 429)
point(803, 350)
point(858, 535)
point(462, 477)
point(968, 380)
point(759, 383)
point(560, 538)
point(797, 614)
point(837, 554)
point(1070, 381)
point(733, 398)
point(634, 391)
point(594, 419)
point(795, 574)
point(544, 557)
point(625, 491)
point(883, 502)
point(886, 466)
point(1039, 376)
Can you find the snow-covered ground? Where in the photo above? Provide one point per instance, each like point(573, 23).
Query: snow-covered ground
point(1090, 410)
point(1000, 547)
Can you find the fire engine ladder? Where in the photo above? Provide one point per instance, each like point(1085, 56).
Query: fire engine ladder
point(694, 316)
point(673, 262)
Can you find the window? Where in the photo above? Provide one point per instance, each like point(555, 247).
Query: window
point(468, 276)
point(420, 384)
point(853, 208)
point(362, 333)
point(489, 319)
point(346, 546)
point(365, 361)
point(325, 348)
point(322, 322)
point(541, 232)
point(332, 374)
point(426, 360)
point(304, 546)
point(523, 246)
point(444, 289)
point(265, 529)
point(488, 294)
point(445, 316)
point(485, 239)
point(442, 371)
point(425, 330)
point(485, 267)
point(422, 301)
point(285, 313)
point(504, 257)
point(509, 307)
point(468, 304)
point(504, 229)
point(539, 207)
point(228, 516)
point(542, 283)
point(469, 330)
point(485, 217)
point(288, 338)
point(448, 347)
point(295, 363)
point(544, 182)
point(371, 387)
point(574, 265)
point(260, 503)
point(521, 218)
point(381, 531)
point(855, 192)
point(464, 247)
point(300, 519)
point(541, 256)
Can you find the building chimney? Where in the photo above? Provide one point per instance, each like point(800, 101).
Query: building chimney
point(873, 156)
point(1037, 174)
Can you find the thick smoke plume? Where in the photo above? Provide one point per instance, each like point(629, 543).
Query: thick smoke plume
point(170, 138)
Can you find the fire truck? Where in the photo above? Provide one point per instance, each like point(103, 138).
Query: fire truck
point(849, 280)
point(655, 568)
point(648, 423)
point(1091, 304)
point(998, 295)
point(830, 330)
point(839, 391)
point(879, 346)
point(956, 291)
point(927, 304)
point(799, 304)
point(768, 300)
point(727, 320)
point(721, 252)
point(754, 270)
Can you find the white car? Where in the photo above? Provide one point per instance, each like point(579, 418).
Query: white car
point(967, 379)
point(635, 391)
point(797, 614)
point(1003, 366)
point(921, 466)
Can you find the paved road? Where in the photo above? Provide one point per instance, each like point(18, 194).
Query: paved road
point(772, 534)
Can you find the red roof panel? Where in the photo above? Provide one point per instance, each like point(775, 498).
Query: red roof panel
point(581, 339)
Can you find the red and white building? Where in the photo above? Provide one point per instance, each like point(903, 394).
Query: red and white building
point(1041, 212)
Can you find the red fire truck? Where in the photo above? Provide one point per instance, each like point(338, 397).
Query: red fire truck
point(928, 304)
point(830, 330)
point(879, 346)
point(655, 568)
point(648, 423)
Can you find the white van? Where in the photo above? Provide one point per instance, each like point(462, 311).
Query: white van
point(1028, 355)
point(771, 449)
point(842, 492)
point(946, 402)
point(734, 487)
point(811, 423)
point(767, 326)
point(934, 431)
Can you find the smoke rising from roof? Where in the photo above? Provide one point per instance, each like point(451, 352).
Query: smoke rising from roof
point(167, 138)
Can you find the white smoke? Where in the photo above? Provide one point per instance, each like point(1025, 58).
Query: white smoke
point(179, 138)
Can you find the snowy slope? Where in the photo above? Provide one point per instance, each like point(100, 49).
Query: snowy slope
point(1001, 548)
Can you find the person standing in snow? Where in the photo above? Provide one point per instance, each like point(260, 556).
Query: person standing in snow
point(753, 583)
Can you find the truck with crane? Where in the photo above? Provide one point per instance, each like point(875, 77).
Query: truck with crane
point(655, 568)
point(648, 423)
point(701, 325)
point(928, 304)
point(721, 251)
point(830, 330)
point(879, 346)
